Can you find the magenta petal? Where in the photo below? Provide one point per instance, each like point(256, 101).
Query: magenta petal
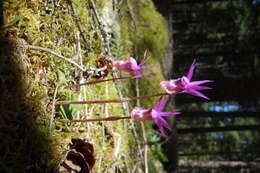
point(134, 65)
point(164, 124)
point(192, 67)
point(160, 104)
point(161, 130)
point(199, 82)
point(143, 67)
point(161, 123)
point(196, 93)
point(169, 113)
point(200, 87)
point(144, 59)
point(138, 74)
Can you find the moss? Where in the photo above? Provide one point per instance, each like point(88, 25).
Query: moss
point(154, 37)
point(24, 142)
point(143, 28)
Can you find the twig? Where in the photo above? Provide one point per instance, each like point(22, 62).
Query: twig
point(77, 21)
point(110, 101)
point(79, 57)
point(94, 120)
point(143, 129)
point(51, 52)
point(111, 130)
point(105, 80)
point(133, 125)
point(53, 109)
point(145, 148)
point(100, 161)
point(100, 26)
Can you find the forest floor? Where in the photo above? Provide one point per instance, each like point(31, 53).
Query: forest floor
point(46, 46)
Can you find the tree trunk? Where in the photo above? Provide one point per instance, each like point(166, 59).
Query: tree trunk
point(218, 164)
point(217, 129)
point(219, 114)
point(208, 153)
point(1, 14)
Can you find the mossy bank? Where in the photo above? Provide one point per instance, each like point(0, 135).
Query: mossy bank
point(32, 80)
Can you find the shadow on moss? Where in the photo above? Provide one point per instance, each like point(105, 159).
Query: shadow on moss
point(24, 144)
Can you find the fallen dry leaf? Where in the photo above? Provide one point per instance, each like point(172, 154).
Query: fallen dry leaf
point(86, 149)
point(79, 159)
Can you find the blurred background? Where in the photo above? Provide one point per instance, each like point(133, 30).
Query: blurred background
point(220, 135)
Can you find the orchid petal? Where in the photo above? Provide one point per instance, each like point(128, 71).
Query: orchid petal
point(169, 113)
point(160, 104)
point(161, 129)
point(199, 87)
point(196, 93)
point(163, 123)
point(133, 64)
point(143, 67)
point(199, 82)
point(144, 59)
point(138, 74)
point(192, 67)
point(149, 66)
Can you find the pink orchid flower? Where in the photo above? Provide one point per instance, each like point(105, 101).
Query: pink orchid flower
point(184, 84)
point(131, 66)
point(154, 114)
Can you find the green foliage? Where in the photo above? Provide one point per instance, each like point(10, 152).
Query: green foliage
point(70, 111)
point(156, 146)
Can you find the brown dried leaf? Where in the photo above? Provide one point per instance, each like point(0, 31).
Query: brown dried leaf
point(86, 149)
point(72, 165)
point(79, 159)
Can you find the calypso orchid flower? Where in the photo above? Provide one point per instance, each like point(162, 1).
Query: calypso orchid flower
point(180, 85)
point(184, 84)
point(131, 65)
point(154, 114)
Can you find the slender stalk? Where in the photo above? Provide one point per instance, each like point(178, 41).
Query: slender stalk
point(105, 80)
point(51, 52)
point(142, 127)
point(110, 101)
point(94, 120)
point(53, 110)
